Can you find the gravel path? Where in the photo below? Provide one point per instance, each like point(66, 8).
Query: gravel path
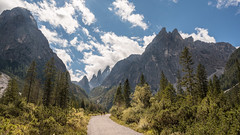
point(103, 125)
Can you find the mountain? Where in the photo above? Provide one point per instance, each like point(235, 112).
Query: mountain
point(162, 54)
point(21, 42)
point(99, 78)
point(84, 84)
point(230, 78)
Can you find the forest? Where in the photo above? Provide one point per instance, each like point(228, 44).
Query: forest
point(44, 107)
point(196, 105)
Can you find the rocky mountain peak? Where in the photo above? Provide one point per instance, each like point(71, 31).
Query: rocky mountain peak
point(17, 16)
point(175, 35)
point(84, 83)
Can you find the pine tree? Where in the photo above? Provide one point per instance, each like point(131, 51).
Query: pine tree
point(163, 81)
point(58, 88)
point(126, 94)
point(11, 94)
point(118, 98)
point(179, 84)
point(142, 80)
point(82, 104)
point(187, 63)
point(216, 86)
point(201, 82)
point(64, 91)
point(30, 82)
point(163, 84)
point(49, 84)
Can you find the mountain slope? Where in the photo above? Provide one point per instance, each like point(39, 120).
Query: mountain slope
point(162, 54)
point(21, 42)
point(99, 78)
point(229, 78)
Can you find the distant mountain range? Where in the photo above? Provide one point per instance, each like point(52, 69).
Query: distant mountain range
point(162, 54)
point(21, 42)
point(95, 81)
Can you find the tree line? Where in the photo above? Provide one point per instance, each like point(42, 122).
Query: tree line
point(195, 106)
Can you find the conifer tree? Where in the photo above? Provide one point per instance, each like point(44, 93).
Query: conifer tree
point(30, 82)
point(179, 84)
point(58, 88)
point(141, 96)
point(187, 63)
point(142, 80)
point(64, 91)
point(216, 86)
point(163, 84)
point(126, 93)
point(118, 98)
point(201, 82)
point(163, 81)
point(11, 94)
point(49, 84)
point(82, 104)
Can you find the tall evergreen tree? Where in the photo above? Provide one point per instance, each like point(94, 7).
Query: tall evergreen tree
point(126, 93)
point(30, 82)
point(216, 86)
point(82, 104)
point(118, 98)
point(64, 91)
point(11, 94)
point(163, 81)
point(201, 82)
point(179, 84)
point(142, 80)
point(49, 84)
point(163, 84)
point(187, 67)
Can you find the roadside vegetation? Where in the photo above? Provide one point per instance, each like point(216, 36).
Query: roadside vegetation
point(196, 106)
point(44, 107)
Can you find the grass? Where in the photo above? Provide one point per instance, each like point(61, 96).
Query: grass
point(132, 126)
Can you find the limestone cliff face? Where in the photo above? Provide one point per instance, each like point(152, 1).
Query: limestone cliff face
point(162, 54)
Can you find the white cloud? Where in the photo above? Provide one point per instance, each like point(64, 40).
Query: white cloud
point(237, 47)
point(85, 31)
point(227, 3)
point(87, 16)
point(53, 37)
point(175, 1)
point(202, 35)
point(209, 3)
point(64, 56)
point(125, 9)
point(9, 4)
point(47, 11)
point(83, 46)
point(76, 75)
point(148, 39)
point(74, 41)
point(113, 49)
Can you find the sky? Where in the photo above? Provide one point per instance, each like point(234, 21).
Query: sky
point(89, 35)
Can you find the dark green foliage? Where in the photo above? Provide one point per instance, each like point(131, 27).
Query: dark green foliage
point(230, 76)
point(216, 86)
point(11, 95)
point(187, 67)
point(126, 90)
point(179, 84)
point(142, 80)
point(64, 91)
point(49, 85)
point(201, 82)
point(163, 84)
point(30, 82)
point(118, 98)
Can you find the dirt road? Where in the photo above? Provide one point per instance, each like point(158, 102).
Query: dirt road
point(103, 125)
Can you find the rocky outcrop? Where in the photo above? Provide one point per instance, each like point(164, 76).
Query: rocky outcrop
point(3, 83)
point(84, 84)
point(99, 78)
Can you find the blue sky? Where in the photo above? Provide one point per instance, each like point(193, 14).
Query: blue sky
point(88, 35)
